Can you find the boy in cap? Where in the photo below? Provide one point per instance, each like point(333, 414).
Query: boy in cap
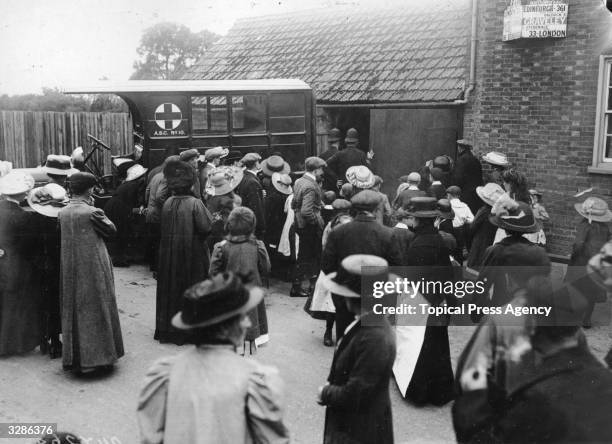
point(412, 190)
point(307, 202)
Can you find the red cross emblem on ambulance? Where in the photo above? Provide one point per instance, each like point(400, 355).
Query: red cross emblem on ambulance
point(168, 116)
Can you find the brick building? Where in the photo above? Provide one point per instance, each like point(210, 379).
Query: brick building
point(537, 100)
point(401, 73)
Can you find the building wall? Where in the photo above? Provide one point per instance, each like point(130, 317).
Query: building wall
point(535, 100)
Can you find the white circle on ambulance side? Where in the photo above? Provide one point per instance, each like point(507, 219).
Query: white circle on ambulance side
point(168, 116)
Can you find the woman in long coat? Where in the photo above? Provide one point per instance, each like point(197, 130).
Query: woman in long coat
point(481, 230)
point(90, 320)
point(423, 367)
point(20, 289)
point(183, 255)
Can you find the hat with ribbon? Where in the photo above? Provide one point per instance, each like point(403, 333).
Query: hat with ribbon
point(282, 183)
point(48, 200)
point(216, 152)
point(223, 179)
point(496, 158)
point(366, 200)
point(123, 164)
point(334, 135)
point(445, 209)
point(16, 182)
point(490, 193)
point(424, 207)
point(59, 165)
point(352, 136)
point(512, 215)
point(189, 154)
point(360, 177)
point(215, 300)
point(134, 172)
point(274, 164)
point(594, 209)
point(347, 281)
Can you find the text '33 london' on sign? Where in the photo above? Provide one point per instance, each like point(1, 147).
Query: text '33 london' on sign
point(533, 19)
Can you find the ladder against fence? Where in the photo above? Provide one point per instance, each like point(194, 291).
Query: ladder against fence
point(27, 137)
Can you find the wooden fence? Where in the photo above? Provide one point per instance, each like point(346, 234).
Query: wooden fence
point(27, 137)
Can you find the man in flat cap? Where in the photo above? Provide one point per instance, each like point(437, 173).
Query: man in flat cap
point(191, 156)
point(307, 198)
point(251, 191)
point(363, 235)
point(467, 175)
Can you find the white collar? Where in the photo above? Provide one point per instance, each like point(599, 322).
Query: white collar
point(413, 187)
point(311, 176)
point(10, 199)
point(254, 173)
point(436, 182)
point(401, 225)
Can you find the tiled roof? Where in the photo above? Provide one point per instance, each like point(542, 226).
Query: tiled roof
point(406, 53)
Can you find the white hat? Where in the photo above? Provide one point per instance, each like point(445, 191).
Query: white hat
point(48, 200)
point(16, 182)
point(5, 167)
point(496, 158)
point(134, 172)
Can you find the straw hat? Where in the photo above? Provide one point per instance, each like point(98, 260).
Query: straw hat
point(223, 180)
point(594, 208)
point(48, 200)
point(360, 177)
point(274, 164)
point(282, 183)
point(496, 158)
point(134, 172)
point(58, 165)
point(490, 193)
point(16, 182)
point(215, 300)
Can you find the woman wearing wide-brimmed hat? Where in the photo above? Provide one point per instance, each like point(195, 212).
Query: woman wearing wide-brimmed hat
point(516, 218)
point(221, 200)
point(498, 163)
point(592, 233)
point(120, 209)
point(20, 285)
point(276, 198)
point(184, 258)
point(47, 201)
point(481, 230)
point(209, 394)
point(91, 331)
point(356, 396)
point(426, 378)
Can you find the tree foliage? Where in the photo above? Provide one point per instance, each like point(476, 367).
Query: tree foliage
point(53, 100)
point(167, 49)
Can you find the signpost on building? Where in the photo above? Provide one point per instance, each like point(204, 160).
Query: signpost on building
point(535, 19)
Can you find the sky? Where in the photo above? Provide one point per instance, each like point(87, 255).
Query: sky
point(61, 42)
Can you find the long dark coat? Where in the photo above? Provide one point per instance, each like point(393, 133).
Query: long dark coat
point(343, 160)
point(567, 400)
point(432, 380)
point(184, 259)
point(275, 217)
point(20, 286)
point(467, 175)
point(482, 233)
point(357, 397)
point(219, 207)
point(91, 331)
point(251, 192)
point(50, 273)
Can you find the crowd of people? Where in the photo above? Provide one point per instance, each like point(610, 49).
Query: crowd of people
point(219, 224)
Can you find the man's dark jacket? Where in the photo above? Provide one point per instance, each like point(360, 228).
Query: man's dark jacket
point(467, 175)
point(251, 192)
point(345, 159)
point(403, 200)
point(363, 235)
point(357, 397)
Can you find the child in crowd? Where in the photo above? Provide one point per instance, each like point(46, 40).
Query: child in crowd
point(541, 216)
point(461, 222)
point(247, 257)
